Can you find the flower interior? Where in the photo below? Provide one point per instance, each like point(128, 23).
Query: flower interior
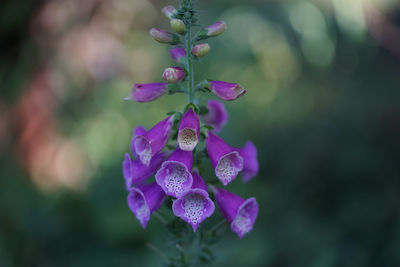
point(228, 167)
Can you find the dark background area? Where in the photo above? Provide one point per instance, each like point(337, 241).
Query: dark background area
point(323, 108)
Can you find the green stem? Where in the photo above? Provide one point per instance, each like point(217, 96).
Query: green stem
point(189, 64)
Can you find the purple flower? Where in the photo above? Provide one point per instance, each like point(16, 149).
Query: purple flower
point(146, 92)
point(174, 176)
point(145, 145)
point(178, 55)
point(226, 91)
point(217, 116)
point(250, 164)
point(173, 74)
point(164, 36)
point(188, 134)
point(240, 213)
point(144, 200)
point(212, 30)
point(195, 205)
point(200, 50)
point(135, 171)
point(226, 161)
point(169, 11)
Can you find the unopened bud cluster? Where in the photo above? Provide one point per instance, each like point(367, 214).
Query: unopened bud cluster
point(175, 172)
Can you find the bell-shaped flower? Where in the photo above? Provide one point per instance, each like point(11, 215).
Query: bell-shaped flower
point(189, 130)
point(143, 200)
point(146, 92)
point(226, 91)
point(169, 11)
point(135, 171)
point(178, 55)
point(216, 116)
point(145, 145)
point(164, 36)
point(250, 162)
point(200, 50)
point(175, 176)
point(195, 205)
point(212, 30)
point(226, 161)
point(178, 25)
point(240, 213)
point(174, 74)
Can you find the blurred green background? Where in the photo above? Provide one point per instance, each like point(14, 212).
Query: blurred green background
point(323, 108)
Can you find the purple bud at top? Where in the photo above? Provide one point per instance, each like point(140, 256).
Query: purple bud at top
point(169, 11)
point(226, 91)
point(148, 144)
point(250, 163)
point(164, 36)
point(178, 25)
point(173, 74)
point(143, 200)
point(216, 28)
point(200, 50)
point(240, 213)
point(217, 116)
point(178, 55)
point(174, 176)
point(189, 130)
point(146, 92)
point(226, 162)
point(195, 205)
point(135, 171)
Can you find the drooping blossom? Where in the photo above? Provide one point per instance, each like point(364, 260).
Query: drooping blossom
point(164, 36)
point(217, 116)
point(226, 91)
point(195, 205)
point(200, 50)
point(147, 92)
point(178, 55)
point(226, 161)
point(147, 144)
point(250, 163)
point(240, 213)
point(174, 74)
point(135, 171)
point(143, 200)
point(175, 176)
point(169, 11)
point(189, 130)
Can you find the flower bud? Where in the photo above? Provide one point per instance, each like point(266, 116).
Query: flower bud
point(178, 25)
point(212, 30)
point(164, 36)
point(200, 50)
point(178, 55)
point(173, 74)
point(169, 11)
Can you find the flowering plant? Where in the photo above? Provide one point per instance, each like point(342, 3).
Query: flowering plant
point(173, 149)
